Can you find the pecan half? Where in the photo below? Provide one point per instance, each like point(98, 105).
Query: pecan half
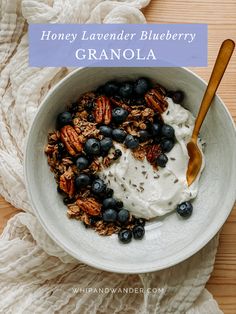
point(89, 205)
point(103, 110)
point(67, 185)
point(153, 152)
point(155, 99)
point(70, 139)
point(160, 89)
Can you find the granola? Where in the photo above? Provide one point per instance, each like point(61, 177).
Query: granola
point(78, 179)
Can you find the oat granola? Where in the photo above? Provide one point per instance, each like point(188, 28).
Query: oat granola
point(77, 178)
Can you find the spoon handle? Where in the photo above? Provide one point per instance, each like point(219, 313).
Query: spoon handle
point(220, 66)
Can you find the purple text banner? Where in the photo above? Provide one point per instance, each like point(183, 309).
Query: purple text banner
point(118, 45)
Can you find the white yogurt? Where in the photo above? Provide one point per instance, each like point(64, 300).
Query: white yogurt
point(149, 193)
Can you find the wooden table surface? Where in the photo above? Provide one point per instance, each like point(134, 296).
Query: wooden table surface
point(221, 18)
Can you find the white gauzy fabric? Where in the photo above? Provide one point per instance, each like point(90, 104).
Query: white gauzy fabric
point(37, 276)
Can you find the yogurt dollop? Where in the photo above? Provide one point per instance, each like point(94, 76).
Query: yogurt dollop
point(146, 192)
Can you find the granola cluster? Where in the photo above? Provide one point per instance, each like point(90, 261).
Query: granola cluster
point(81, 123)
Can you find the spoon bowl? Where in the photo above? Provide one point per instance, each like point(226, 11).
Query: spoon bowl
point(195, 156)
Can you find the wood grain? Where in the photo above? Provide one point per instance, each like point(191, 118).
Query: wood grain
point(6, 212)
point(221, 18)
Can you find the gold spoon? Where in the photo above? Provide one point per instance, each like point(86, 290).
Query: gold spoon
point(195, 156)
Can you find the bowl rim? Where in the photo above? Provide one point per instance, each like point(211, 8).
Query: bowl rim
point(189, 250)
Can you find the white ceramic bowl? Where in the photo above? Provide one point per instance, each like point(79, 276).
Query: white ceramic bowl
point(171, 239)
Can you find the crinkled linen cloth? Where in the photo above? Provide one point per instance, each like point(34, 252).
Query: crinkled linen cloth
point(37, 276)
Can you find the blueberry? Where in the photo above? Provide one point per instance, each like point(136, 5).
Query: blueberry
point(82, 163)
point(63, 119)
point(119, 115)
point(109, 215)
point(109, 193)
point(177, 96)
point(126, 90)
point(106, 144)
point(119, 135)
point(90, 118)
point(105, 131)
point(144, 135)
point(141, 86)
point(82, 180)
point(162, 160)
point(109, 203)
point(131, 141)
point(139, 222)
point(92, 146)
point(123, 216)
point(167, 131)
point(156, 129)
point(125, 235)
point(167, 145)
point(98, 186)
point(111, 88)
point(61, 147)
point(185, 209)
point(138, 232)
point(93, 220)
point(117, 154)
